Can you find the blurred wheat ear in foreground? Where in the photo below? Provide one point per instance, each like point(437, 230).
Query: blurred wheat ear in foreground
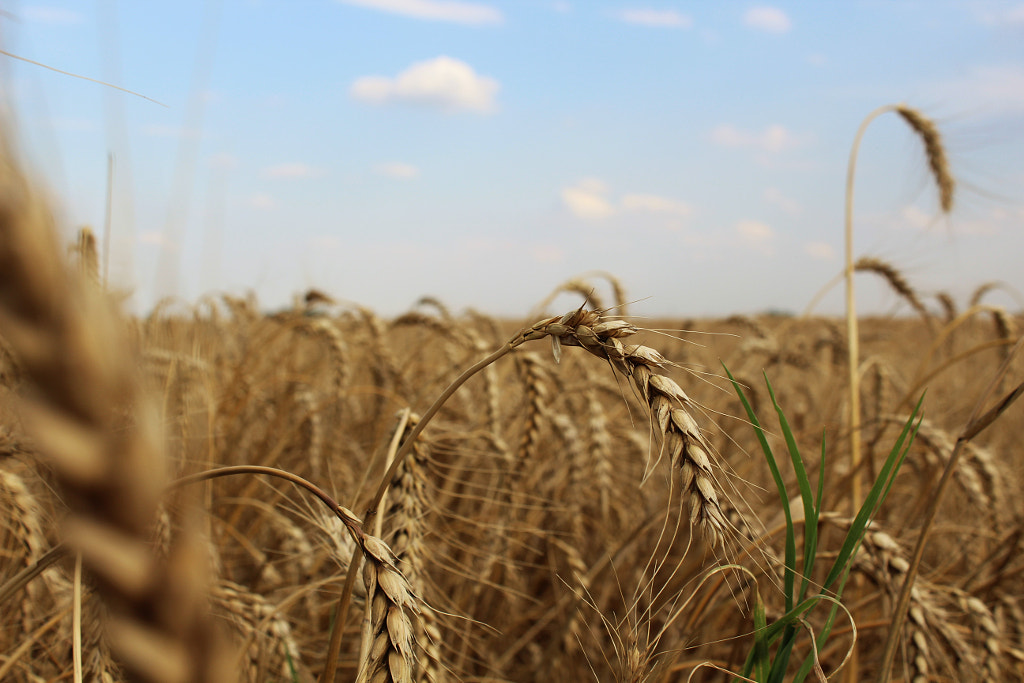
point(99, 432)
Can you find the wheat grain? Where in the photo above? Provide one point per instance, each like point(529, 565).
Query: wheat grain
point(670, 407)
point(935, 150)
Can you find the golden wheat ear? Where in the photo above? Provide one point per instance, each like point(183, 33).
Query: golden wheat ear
point(97, 430)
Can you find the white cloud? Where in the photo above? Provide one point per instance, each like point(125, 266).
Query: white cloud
point(999, 89)
point(51, 15)
point(588, 199)
point(472, 13)
point(658, 18)
point(262, 202)
point(442, 82)
point(561, 7)
point(756, 235)
point(1012, 17)
point(770, 19)
point(397, 169)
point(773, 196)
point(820, 251)
point(774, 138)
point(914, 217)
point(292, 170)
point(656, 204)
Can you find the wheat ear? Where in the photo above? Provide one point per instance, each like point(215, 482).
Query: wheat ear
point(70, 346)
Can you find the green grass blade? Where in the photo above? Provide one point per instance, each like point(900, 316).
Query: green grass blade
point(873, 500)
point(804, 485)
point(779, 484)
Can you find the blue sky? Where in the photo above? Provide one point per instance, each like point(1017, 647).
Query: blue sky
point(484, 152)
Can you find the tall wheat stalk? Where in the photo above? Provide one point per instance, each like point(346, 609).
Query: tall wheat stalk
point(939, 166)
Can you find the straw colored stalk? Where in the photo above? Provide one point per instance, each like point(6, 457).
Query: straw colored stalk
point(939, 166)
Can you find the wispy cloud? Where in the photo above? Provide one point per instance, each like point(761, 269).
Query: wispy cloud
point(656, 18)
point(292, 169)
point(774, 138)
point(1001, 15)
point(756, 235)
point(443, 82)
point(588, 199)
point(472, 13)
point(656, 204)
point(774, 196)
point(768, 19)
point(999, 89)
point(397, 169)
point(820, 251)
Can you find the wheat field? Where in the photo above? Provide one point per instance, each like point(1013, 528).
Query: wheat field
point(216, 492)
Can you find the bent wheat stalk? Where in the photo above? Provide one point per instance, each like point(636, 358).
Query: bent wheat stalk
point(939, 165)
point(670, 409)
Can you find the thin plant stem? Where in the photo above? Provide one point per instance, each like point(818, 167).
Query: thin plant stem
point(345, 599)
point(977, 422)
point(852, 333)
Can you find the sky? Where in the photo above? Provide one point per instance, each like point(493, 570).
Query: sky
point(484, 152)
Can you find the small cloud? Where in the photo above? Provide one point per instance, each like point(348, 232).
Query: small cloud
point(774, 138)
point(820, 251)
point(768, 19)
point(292, 170)
point(916, 218)
point(397, 169)
point(442, 82)
point(773, 196)
point(817, 59)
point(1012, 17)
point(656, 204)
point(995, 88)
point(262, 202)
point(588, 199)
point(561, 7)
point(756, 235)
point(471, 13)
point(656, 18)
point(51, 15)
